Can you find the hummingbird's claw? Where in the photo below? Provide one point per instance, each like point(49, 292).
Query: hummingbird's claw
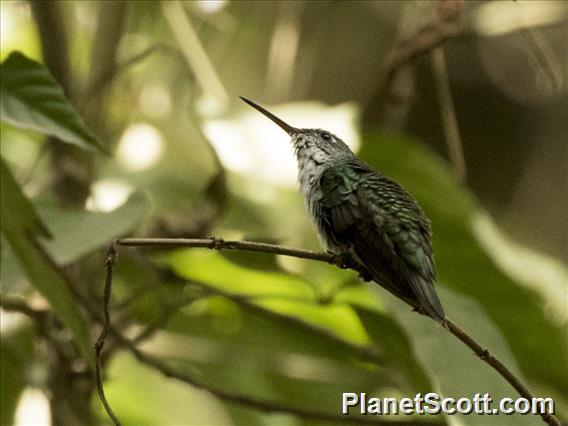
point(365, 275)
point(346, 261)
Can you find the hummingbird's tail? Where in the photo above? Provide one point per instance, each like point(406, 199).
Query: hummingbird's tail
point(427, 297)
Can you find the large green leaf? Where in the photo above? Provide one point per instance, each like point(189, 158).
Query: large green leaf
point(277, 324)
point(72, 230)
point(11, 385)
point(141, 396)
point(455, 370)
point(16, 359)
point(539, 345)
point(31, 98)
point(21, 226)
point(386, 333)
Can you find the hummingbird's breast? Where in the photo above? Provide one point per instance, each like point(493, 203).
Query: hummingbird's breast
point(310, 168)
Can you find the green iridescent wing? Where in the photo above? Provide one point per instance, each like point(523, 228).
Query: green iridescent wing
point(385, 227)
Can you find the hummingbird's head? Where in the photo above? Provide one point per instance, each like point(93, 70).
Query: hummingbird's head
point(311, 142)
point(318, 141)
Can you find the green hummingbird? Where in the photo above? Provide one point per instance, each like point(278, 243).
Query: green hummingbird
point(364, 215)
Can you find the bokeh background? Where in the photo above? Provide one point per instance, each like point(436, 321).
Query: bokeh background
point(473, 122)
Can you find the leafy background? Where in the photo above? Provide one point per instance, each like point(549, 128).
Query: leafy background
point(123, 119)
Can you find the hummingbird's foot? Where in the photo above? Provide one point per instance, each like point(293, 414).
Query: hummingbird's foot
point(346, 261)
point(418, 310)
point(421, 311)
point(365, 275)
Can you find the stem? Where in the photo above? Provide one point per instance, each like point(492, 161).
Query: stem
point(71, 168)
point(109, 265)
point(443, 25)
point(220, 244)
point(448, 114)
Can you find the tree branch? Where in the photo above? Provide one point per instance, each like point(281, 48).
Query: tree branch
point(109, 266)
point(99, 85)
point(220, 244)
point(19, 305)
point(443, 26)
point(448, 114)
point(71, 166)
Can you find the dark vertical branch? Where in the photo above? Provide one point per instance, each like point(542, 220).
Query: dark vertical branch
point(109, 265)
point(71, 167)
point(54, 41)
point(442, 26)
point(111, 24)
point(448, 114)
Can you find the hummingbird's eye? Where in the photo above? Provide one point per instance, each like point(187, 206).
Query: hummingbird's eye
point(325, 136)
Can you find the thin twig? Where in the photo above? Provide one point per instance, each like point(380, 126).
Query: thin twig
point(98, 86)
point(490, 359)
point(109, 265)
point(425, 39)
point(220, 244)
point(442, 27)
point(448, 114)
point(193, 50)
point(364, 353)
point(268, 406)
point(19, 305)
point(542, 56)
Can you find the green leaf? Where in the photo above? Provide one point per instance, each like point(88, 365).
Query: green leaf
point(539, 345)
point(16, 359)
point(11, 385)
point(30, 98)
point(456, 370)
point(219, 272)
point(73, 229)
point(159, 400)
point(266, 319)
point(21, 226)
point(387, 334)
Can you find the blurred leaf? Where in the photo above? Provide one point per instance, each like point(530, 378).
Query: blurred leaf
point(264, 373)
point(73, 229)
point(246, 416)
point(278, 326)
point(281, 293)
point(21, 214)
point(455, 370)
point(142, 396)
point(16, 357)
point(11, 385)
point(31, 98)
point(248, 259)
point(12, 278)
point(397, 347)
point(255, 326)
point(20, 226)
point(217, 271)
point(541, 348)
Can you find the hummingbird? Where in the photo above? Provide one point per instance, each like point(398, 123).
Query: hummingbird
point(365, 216)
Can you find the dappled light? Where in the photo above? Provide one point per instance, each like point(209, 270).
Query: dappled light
point(140, 147)
point(108, 195)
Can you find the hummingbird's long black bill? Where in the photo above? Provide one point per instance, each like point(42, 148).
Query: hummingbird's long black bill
point(285, 126)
